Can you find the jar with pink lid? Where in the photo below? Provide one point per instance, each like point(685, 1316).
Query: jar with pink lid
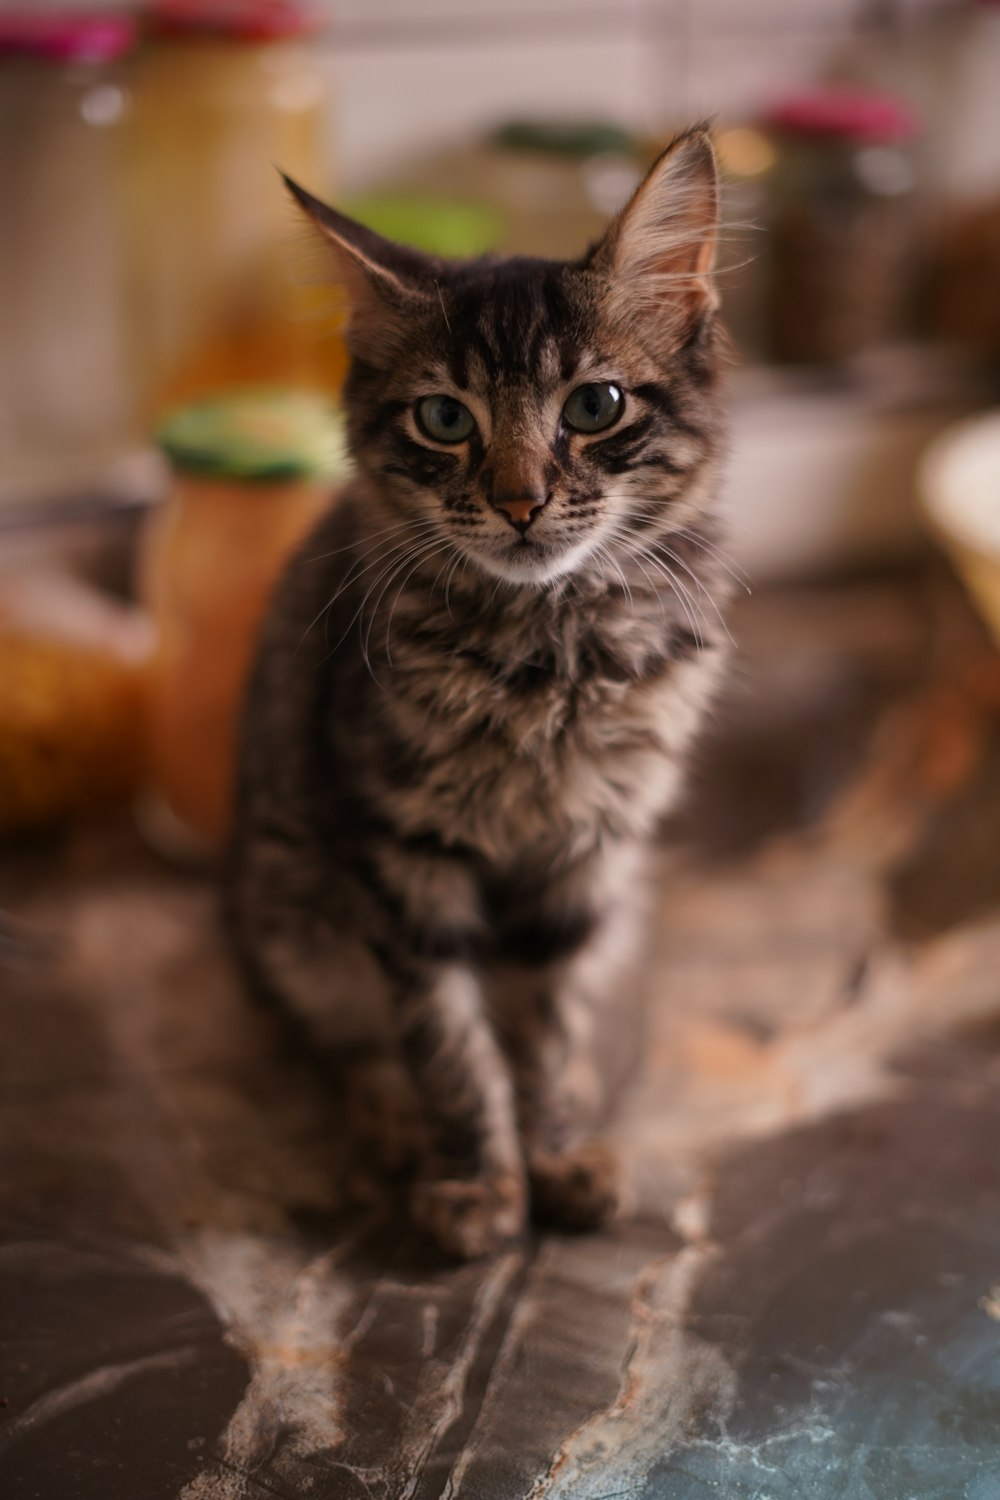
point(841, 222)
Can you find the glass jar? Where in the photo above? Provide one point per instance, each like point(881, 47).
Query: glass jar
point(69, 370)
point(540, 187)
point(965, 224)
point(226, 94)
point(72, 680)
point(251, 470)
point(561, 181)
point(840, 229)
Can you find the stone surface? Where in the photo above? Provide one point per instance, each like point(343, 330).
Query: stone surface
point(803, 1299)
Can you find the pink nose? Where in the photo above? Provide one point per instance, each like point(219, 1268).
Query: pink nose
point(520, 510)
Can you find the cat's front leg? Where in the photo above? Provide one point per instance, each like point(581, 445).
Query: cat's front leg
point(471, 1193)
point(353, 965)
point(564, 990)
point(426, 929)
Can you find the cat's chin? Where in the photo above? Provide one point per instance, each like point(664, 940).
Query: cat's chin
point(531, 565)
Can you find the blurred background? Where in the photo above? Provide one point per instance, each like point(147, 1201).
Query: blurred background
point(169, 356)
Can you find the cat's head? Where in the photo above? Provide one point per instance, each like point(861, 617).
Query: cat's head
point(540, 415)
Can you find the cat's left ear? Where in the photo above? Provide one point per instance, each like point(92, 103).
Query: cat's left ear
point(659, 252)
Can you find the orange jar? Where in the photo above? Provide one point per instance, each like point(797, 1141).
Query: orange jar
point(251, 472)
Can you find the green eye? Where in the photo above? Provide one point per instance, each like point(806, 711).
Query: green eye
point(444, 419)
point(591, 408)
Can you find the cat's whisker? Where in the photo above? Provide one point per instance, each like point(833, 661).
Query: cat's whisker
point(415, 533)
point(372, 537)
point(388, 574)
point(739, 576)
point(623, 537)
point(427, 549)
point(687, 603)
point(359, 612)
point(636, 551)
point(355, 572)
point(699, 584)
point(689, 606)
point(602, 551)
point(448, 581)
point(445, 546)
point(415, 557)
point(654, 506)
point(448, 568)
point(437, 575)
point(683, 595)
point(493, 597)
point(334, 597)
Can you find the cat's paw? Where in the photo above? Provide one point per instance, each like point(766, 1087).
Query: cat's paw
point(470, 1219)
point(576, 1189)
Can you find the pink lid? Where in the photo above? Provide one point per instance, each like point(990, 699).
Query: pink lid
point(243, 20)
point(66, 37)
point(844, 112)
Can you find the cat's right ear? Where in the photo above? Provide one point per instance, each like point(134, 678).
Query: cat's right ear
point(386, 284)
point(659, 252)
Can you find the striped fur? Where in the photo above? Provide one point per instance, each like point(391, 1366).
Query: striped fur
point(461, 733)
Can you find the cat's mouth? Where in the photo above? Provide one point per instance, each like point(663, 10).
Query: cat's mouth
point(530, 558)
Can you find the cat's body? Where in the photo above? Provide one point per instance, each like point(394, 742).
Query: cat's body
point(476, 689)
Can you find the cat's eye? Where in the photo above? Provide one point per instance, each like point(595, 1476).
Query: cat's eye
point(592, 408)
point(444, 419)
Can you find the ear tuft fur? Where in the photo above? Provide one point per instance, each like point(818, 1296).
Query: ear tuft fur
point(659, 252)
point(385, 283)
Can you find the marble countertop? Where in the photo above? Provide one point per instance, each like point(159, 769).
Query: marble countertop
point(201, 1298)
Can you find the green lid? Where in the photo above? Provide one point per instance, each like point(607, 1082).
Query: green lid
point(579, 138)
point(439, 227)
point(256, 434)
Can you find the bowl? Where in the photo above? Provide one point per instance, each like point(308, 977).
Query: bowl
point(959, 483)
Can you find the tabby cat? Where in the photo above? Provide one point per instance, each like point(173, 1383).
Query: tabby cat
point(477, 684)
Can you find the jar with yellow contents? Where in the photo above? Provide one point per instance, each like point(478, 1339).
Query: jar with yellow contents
point(252, 471)
point(226, 92)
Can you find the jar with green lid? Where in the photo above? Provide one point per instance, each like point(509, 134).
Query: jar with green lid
point(252, 470)
point(532, 187)
point(561, 180)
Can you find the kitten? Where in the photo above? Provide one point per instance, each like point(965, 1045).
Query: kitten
point(477, 684)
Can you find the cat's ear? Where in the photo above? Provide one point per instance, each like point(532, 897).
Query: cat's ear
point(659, 252)
point(386, 284)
